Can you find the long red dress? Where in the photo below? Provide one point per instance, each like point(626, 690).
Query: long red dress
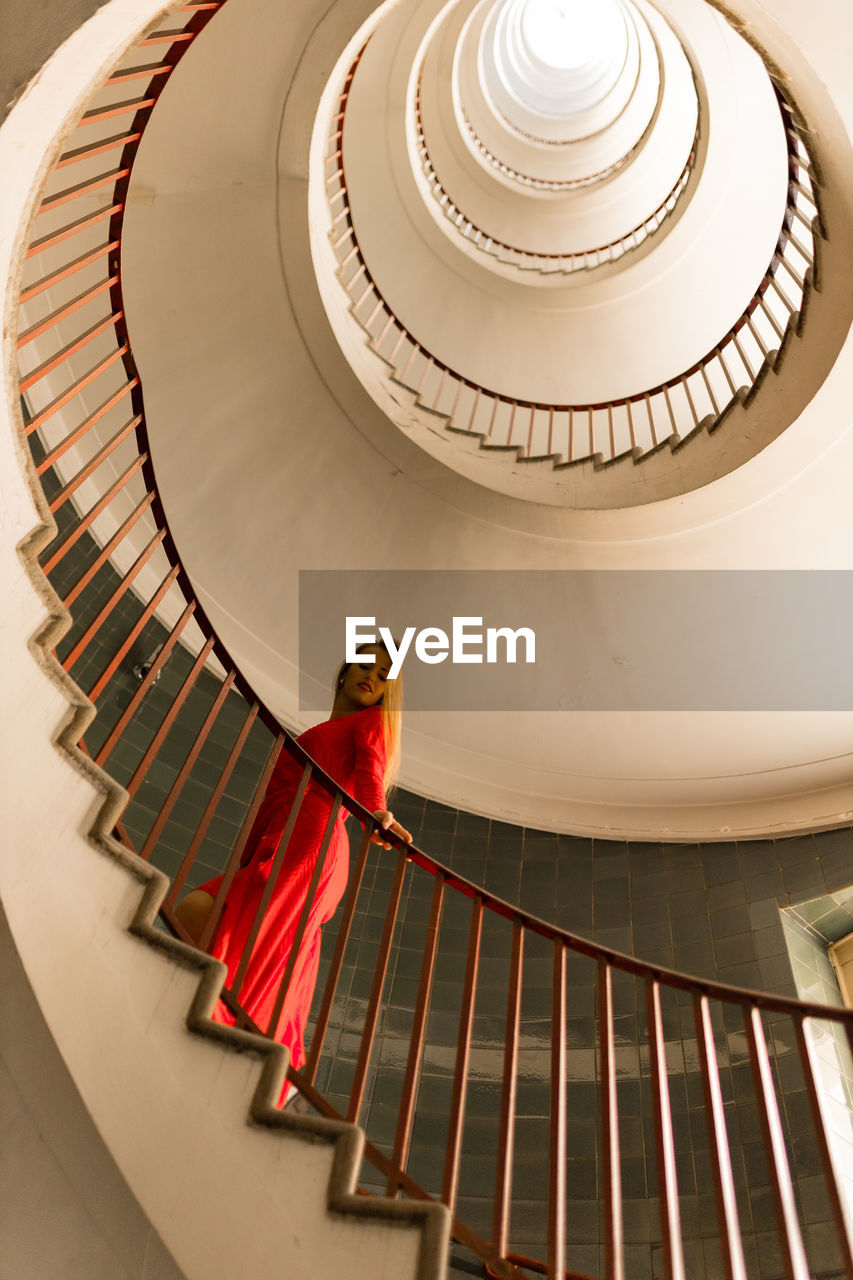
point(352, 750)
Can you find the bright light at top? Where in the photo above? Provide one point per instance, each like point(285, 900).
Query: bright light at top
point(570, 34)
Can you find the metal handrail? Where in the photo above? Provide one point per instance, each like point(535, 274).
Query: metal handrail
point(633, 426)
point(73, 319)
point(532, 259)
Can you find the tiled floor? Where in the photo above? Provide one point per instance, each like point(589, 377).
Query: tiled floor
point(712, 910)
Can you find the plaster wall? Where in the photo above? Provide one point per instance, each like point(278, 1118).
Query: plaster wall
point(253, 410)
point(118, 1009)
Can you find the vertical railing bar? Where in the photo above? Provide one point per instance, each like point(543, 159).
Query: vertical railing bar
point(146, 683)
point(765, 309)
point(714, 405)
point(670, 410)
point(780, 292)
point(302, 923)
point(506, 1140)
point(725, 368)
point(186, 768)
point(450, 1177)
point(92, 465)
point(68, 269)
point(91, 631)
point(761, 344)
point(441, 385)
point(739, 349)
point(77, 344)
point(93, 513)
point(70, 229)
point(495, 403)
point(796, 1266)
point(631, 433)
point(805, 1048)
point(169, 719)
point(694, 415)
point(98, 147)
point(731, 1243)
point(85, 426)
point(610, 1148)
point(557, 1119)
point(670, 1214)
point(82, 382)
point(651, 417)
point(108, 548)
point(235, 857)
point(530, 427)
point(313, 1058)
point(278, 859)
point(369, 1031)
point(63, 312)
point(126, 644)
point(402, 1137)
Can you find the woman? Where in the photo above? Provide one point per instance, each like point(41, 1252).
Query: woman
point(359, 746)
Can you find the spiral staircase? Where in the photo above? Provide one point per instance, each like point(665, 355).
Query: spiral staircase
point(212, 1177)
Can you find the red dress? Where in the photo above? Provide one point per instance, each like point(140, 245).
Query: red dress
point(352, 750)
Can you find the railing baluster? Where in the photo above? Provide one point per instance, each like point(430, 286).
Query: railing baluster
point(94, 331)
point(92, 515)
point(186, 768)
point(85, 426)
point(794, 1255)
point(402, 1138)
point(122, 588)
point(557, 1122)
point(136, 630)
point(169, 719)
point(69, 269)
point(356, 877)
point(65, 311)
point(108, 548)
point(506, 1139)
point(372, 1015)
point(721, 1164)
point(72, 229)
point(805, 1047)
point(611, 1172)
point(670, 1214)
point(631, 433)
point(453, 1150)
point(148, 680)
point(92, 465)
point(76, 387)
point(714, 404)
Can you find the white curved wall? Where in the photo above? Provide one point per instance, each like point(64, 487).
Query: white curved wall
point(589, 339)
point(227, 1198)
point(253, 411)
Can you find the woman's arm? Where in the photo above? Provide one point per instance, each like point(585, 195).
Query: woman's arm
point(368, 784)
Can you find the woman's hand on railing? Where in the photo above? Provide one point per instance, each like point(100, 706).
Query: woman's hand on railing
point(388, 822)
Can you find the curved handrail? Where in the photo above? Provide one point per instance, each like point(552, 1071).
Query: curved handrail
point(636, 425)
point(531, 259)
point(74, 319)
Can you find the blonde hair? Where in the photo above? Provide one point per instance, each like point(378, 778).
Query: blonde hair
point(392, 718)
